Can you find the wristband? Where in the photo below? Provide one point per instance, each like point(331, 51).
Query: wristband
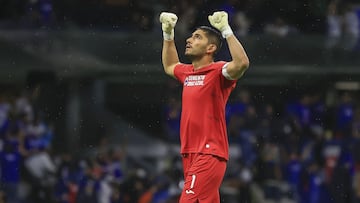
point(227, 32)
point(168, 36)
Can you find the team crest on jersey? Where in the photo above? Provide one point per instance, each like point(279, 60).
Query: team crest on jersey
point(194, 80)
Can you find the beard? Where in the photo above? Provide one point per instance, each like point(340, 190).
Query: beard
point(192, 57)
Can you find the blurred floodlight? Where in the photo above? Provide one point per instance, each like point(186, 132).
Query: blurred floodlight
point(347, 85)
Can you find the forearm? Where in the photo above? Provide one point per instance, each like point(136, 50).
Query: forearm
point(169, 53)
point(240, 62)
point(237, 52)
point(169, 56)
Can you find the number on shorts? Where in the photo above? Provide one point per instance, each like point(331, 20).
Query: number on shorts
point(193, 177)
point(192, 181)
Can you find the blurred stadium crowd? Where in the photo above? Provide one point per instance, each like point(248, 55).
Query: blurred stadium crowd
point(337, 19)
point(249, 16)
point(31, 171)
point(305, 150)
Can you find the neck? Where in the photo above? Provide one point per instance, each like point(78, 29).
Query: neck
point(202, 62)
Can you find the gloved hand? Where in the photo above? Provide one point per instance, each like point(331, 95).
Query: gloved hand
point(220, 21)
point(168, 22)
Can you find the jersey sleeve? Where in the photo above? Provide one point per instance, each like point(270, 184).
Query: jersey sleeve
point(226, 82)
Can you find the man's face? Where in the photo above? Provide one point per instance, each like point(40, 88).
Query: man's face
point(196, 44)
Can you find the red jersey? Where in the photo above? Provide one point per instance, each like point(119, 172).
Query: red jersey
point(204, 96)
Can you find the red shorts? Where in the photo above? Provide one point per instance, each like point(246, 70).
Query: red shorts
point(203, 175)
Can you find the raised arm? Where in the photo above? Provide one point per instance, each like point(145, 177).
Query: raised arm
point(169, 53)
point(240, 62)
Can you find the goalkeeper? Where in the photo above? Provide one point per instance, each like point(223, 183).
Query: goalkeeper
point(206, 88)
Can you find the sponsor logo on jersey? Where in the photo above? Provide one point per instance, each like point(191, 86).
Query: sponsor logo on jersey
point(194, 80)
point(189, 192)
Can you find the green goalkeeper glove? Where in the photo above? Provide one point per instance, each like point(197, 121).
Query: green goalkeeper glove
point(168, 22)
point(220, 21)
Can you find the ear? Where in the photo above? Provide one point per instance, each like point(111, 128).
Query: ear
point(211, 48)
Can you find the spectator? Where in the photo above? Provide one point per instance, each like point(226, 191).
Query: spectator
point(344, 115)
point(333, 19)
point(5, 108)
point(2, 196)
point(241, 24)
point(10, 162)
point(87, 191)
point(343, 27)
point(318, 112)
point(311, 188)
point(292, 172)
point(300, 112)
point(236, 108)
point(187, 16)
point(41, 170)
point(351, 27)
point(279, 28)
point(171, 123)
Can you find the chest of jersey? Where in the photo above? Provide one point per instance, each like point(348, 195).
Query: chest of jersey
point(201, 85)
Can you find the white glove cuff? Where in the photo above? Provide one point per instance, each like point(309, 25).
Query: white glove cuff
point(168, 36)
point(227, 32)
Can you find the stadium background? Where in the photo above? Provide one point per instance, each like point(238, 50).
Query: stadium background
point(87, 114)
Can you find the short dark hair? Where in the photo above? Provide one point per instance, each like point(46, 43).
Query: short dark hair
point(213, 35)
